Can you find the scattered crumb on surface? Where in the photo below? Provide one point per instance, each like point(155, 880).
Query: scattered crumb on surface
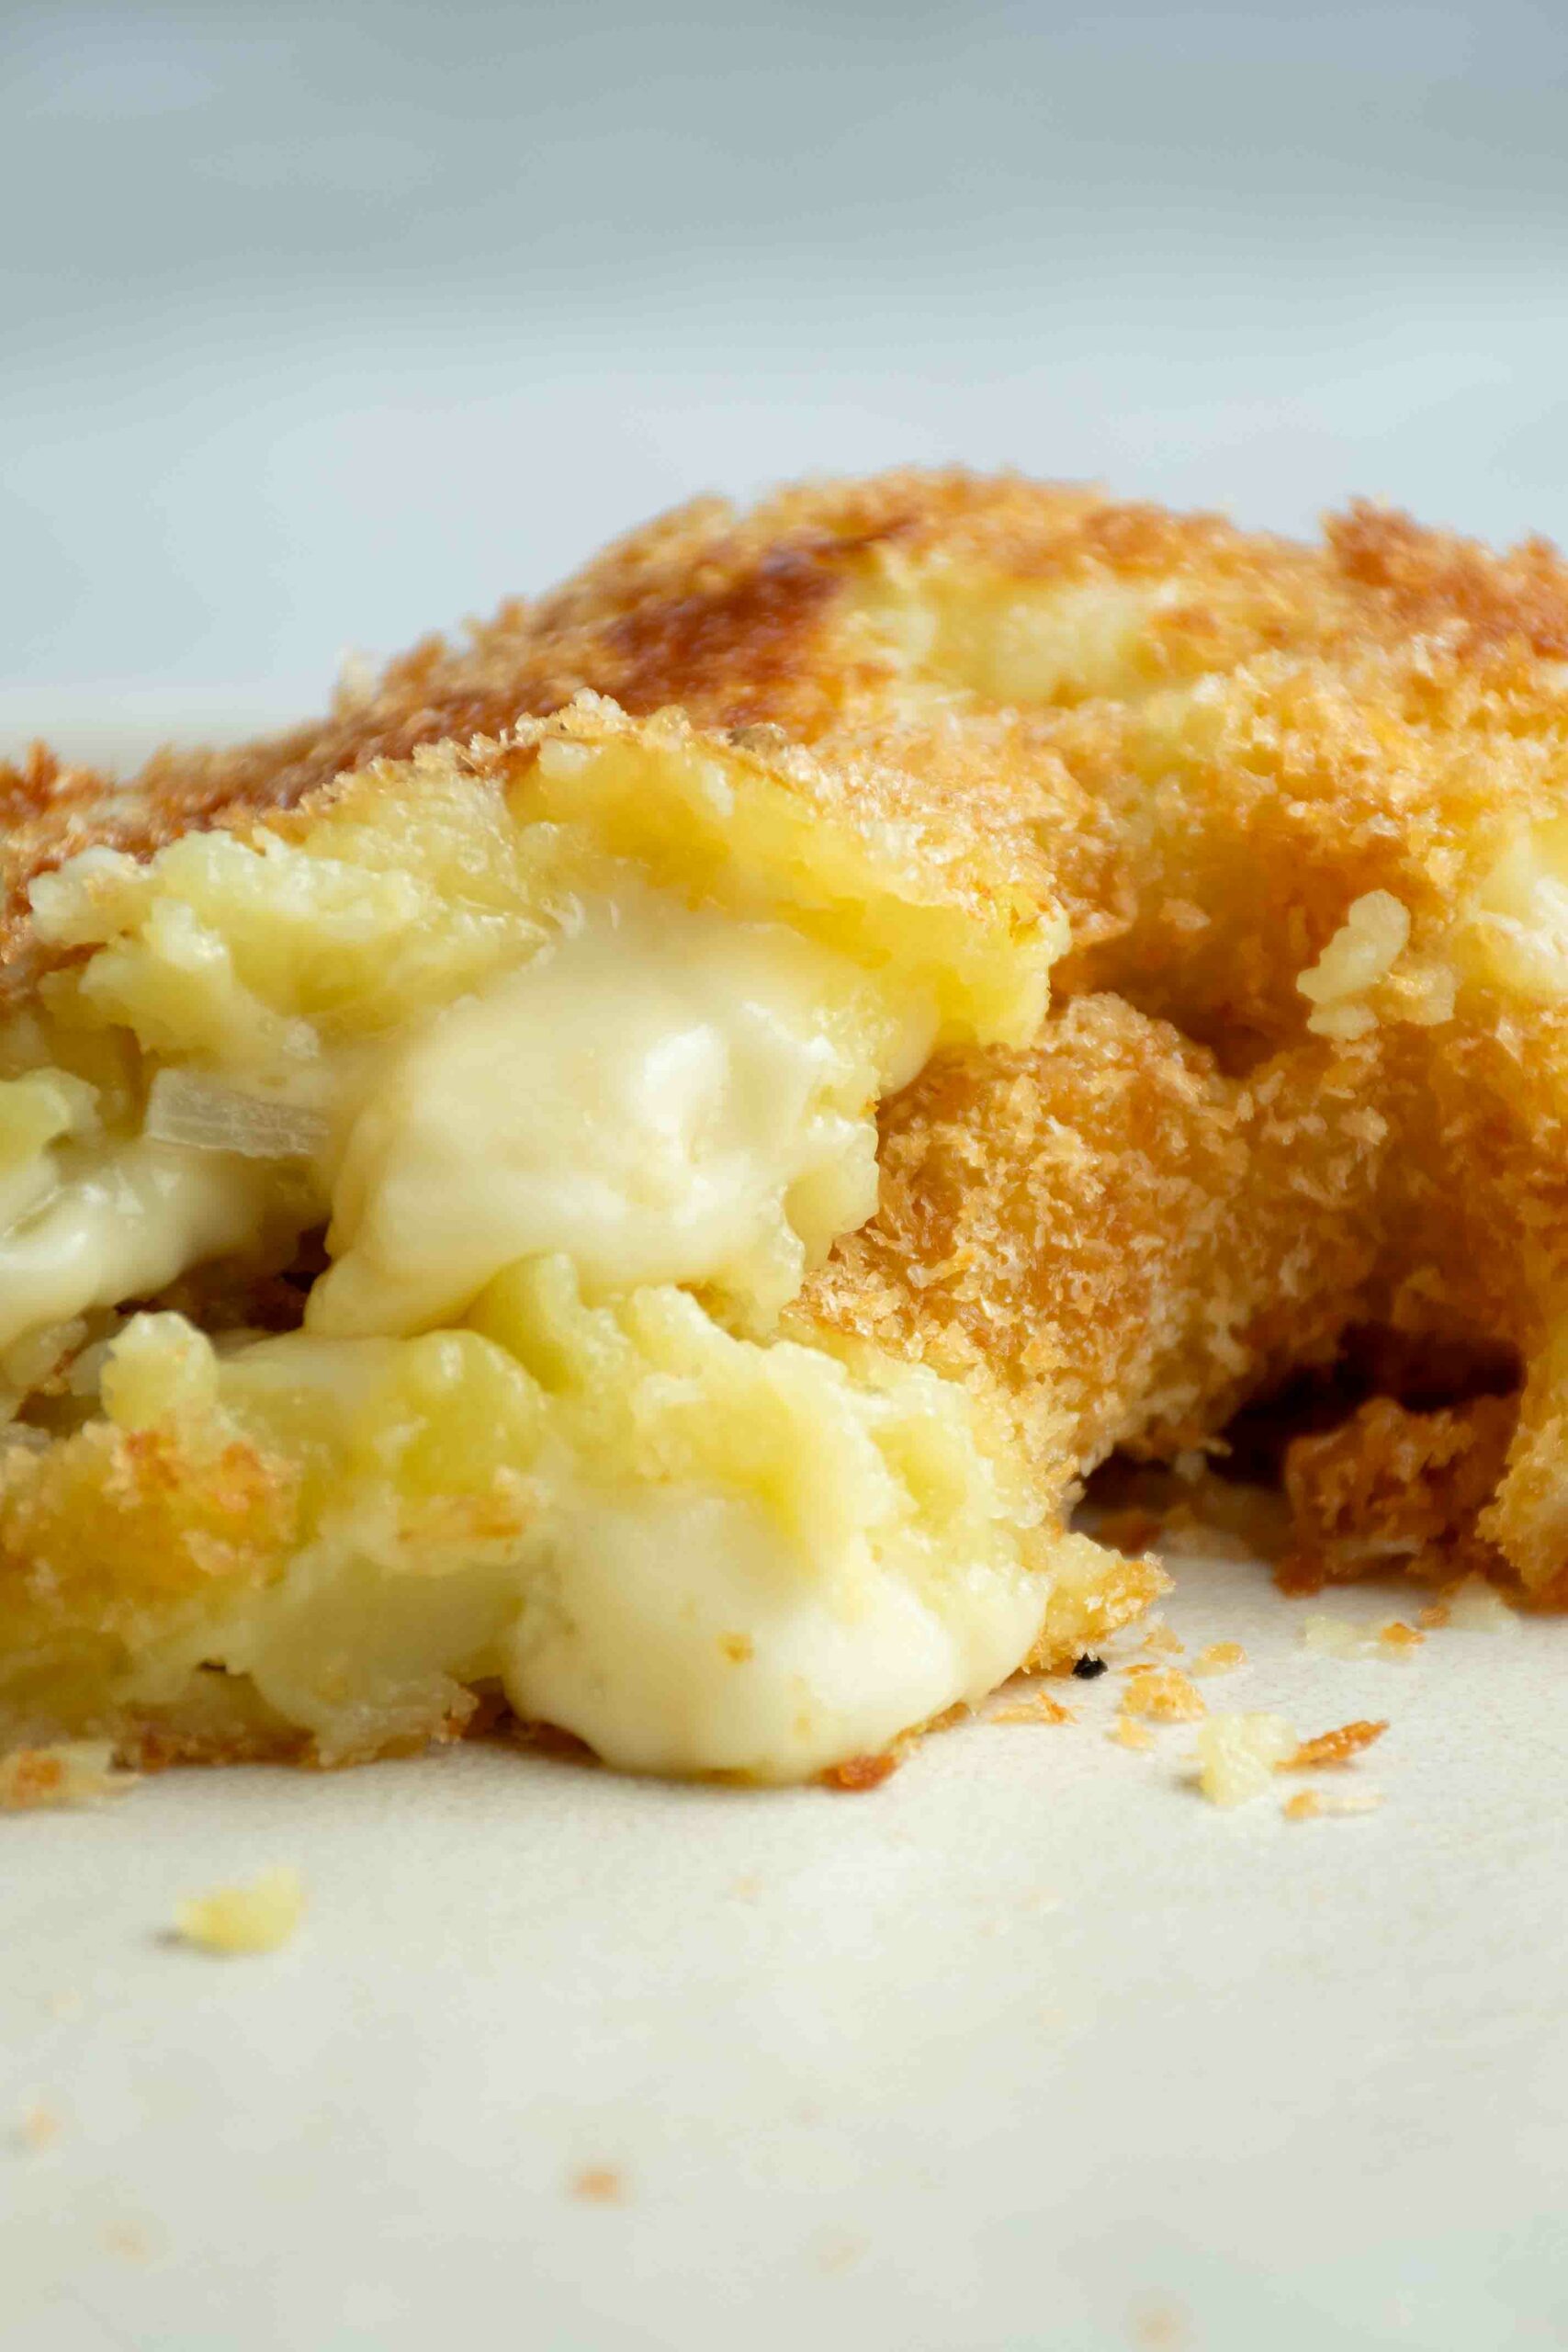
point(745, 1890)
point(1337, 1637)
point(1158, 2325)
point(1127, 1734)
point(39, 2128)
point(232, 1919)
point(599, 2184)
point(64, 2005)
point(1161, 1640)
point(857, 1772)
point(1345, 1637)
point(840, 2252)
point(1314, 1805)
point(1477, 1607)
point(1334, 1748)
point(1238, 1756)
point(132, 2241)
point(1163, 1693)
point(1220, 1657)
point(1031, 1705)
point(76, 1772)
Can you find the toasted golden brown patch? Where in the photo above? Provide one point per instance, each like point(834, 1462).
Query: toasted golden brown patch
point(895, 615)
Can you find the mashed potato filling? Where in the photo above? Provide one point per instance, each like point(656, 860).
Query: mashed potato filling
point(548, 1038)
point(698, 1553)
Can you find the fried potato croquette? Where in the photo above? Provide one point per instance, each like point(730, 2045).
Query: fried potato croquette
point(1287, 826)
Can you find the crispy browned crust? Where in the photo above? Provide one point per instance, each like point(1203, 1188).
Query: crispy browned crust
point(763, 619)
point(1133, 1241)
point(1396, 1490)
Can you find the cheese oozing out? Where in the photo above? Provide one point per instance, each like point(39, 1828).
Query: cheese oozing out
point(538, 1093)
point(662, 1092)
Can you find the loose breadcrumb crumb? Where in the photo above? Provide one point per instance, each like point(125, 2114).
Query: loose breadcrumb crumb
point(1337, 1637)
point(1220, 1657)
point(1159, 2327)
point(131, 2241)
point(1032, 1706)
point(39, 2129)
point(76, 1772)
point(1477, 1607)
point(1334, 1748)
point(858, 1772)
point(1163, 1693)
point(1127, 1734)
point(1239, 1754)
point(257, 1917)
point(1313, 1804)
point(1344, 1637)
point(599, 2184)
point(1162, 1640)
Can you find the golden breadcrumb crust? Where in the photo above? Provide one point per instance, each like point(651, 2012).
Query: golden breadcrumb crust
point(859, 616)
point(1393, 1488)
point(1310, 1063)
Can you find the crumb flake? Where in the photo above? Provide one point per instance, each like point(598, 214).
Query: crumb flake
point(1128, 1733)
point(599, 2184)
point(858, 1772)
point(39, 2128)
point(1315, 1804)
point(1334, 1748)
point(1161, 1640)
point(1477, 1607)
point(1163, 1693)
point(232, 1919)
point(131, 2241)
point(1239, 1754)
point(1032, 1706)
point(1220, 1657)
point(1346, 1637)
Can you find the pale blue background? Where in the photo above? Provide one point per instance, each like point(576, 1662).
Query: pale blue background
point(322, 326)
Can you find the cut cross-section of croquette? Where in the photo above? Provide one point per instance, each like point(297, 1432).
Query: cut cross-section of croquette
point(539, 1075)
point(1299, 800)
point(1289, 824)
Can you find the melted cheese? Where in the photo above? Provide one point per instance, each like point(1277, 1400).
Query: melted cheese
point(679, 1631)
point(663, 1094)
point(126, 1228)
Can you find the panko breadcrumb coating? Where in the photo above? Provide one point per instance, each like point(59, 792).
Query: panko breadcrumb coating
point(1291, 824)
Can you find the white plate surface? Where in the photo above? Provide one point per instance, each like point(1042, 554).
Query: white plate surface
point(1028, 2046)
